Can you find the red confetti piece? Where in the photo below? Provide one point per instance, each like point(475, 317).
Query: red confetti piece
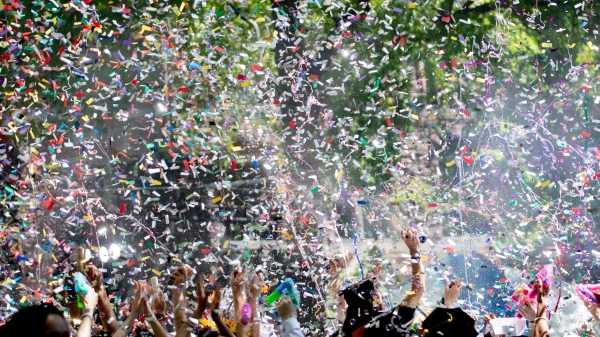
point(233, 165)
point(292, 124)
point(122, 210)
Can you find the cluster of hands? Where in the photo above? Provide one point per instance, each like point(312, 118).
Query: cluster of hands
point(150, 301)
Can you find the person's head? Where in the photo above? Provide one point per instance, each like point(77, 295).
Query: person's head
point(37, 321)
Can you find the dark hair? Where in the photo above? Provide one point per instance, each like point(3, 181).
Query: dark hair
point(29, 321)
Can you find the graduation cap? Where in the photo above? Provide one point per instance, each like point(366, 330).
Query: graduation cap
point(360, 309)
point(392, 323)
point(449, 323)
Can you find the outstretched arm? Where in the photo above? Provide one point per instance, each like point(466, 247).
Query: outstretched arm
point(418, 280)
point(541, 319)
point(136, 309)
point(107, 314)
point(215, 314)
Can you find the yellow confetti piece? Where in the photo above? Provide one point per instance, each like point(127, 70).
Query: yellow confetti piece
point(226, 244)
point(145, 258)
point(545, 183)
point(156, 272)
point(176, 259)
point(453, 38)
point(260, 19)
point(452, 78)
point(88, 102)
point(237, 148)
point(87, 218)
point(546, 45)
point(412, 5)
point(54, 258)
point(216, 200)
point(339, 174)
point(245, 84)
point(23, 299)
point(450, 163)
point(480, 80)
point(145, 28)
point(156, 182)
point(216, 29)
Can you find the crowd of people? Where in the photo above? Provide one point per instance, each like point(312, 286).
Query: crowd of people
point(360, 309)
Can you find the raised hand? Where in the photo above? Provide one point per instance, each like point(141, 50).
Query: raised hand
point(237, 279)
point(409, 236)
point(89, 302)
point(181, 275)
point(94, 276)
point(451, 294)
point(258, 281)
point(216, 302)
point(203, 293)
point(527, 310)
point(140, 294)
point(542, 292)
point(159, 305)
point(487, 318)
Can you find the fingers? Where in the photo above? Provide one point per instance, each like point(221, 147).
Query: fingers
point(201, 284)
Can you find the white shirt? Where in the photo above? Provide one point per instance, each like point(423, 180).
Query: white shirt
point(291, 328)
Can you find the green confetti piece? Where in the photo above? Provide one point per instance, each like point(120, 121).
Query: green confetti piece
point(314, 190)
